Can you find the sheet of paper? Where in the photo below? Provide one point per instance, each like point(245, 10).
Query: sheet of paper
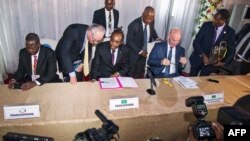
point(186, 82)
point(128, 82)
point(109, 83)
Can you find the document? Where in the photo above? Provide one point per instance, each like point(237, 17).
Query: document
point(117, 82)
point(186, 82)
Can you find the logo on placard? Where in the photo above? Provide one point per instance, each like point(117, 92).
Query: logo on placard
point(213, 96)
point(124, 101)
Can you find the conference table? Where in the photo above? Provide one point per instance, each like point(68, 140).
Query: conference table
point(69, 109)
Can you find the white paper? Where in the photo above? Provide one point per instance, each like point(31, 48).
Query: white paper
point(128, 82)
point(186, 82)
point(109, 83)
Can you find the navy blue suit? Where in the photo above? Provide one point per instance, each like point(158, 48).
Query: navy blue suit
point(158, 53)
point(203, 43)
point(102, 64)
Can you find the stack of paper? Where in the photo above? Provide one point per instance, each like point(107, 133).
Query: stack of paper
point(186, 82)
point(117, 82)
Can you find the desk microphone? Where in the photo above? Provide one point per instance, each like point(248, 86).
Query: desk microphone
point(151, 91)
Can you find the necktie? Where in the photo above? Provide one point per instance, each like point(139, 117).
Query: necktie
point(110, 23)
point(113, 56)
point(86, 58)
point(35, 64)
point(215, 34)
point(145, 41)
point(167, 72)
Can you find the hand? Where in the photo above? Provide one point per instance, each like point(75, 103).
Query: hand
point(183, 60)
point(73, 80)
point(218, 129)
point(165, 62)
point(116, 74)
point(79, 68)
point(144, 53)
point(159, 39)
point(191, 134)
point(219, 63)
point(11, 83)
point(205, 59)
point(28, 85)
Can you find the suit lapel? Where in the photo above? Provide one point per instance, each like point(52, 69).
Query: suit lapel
point(104, 17)
point(29, 64)
point(119, 55)
point(222, 34)
point(108, 54)
point(40, 60)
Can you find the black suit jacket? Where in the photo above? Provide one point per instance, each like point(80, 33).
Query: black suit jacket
point(135, 38)
point(102, 64)
point(203, 43)
point(46, 66)
point(69, 47)
point(100, 18)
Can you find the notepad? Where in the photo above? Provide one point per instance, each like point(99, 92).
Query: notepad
point(117, 82)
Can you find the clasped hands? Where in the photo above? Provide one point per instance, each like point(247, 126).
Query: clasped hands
point(166, 62)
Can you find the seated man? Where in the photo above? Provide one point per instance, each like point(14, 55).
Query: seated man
point(167, 58)
point(111, 58)
point(37, 64)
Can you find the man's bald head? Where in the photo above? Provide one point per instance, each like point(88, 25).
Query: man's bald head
point(174, 37)
point(148, 15)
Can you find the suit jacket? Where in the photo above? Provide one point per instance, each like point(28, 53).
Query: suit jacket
point(46, 66)
point(100, 18)
point(203, 43)
point(102, 64)
point(158, 53)
point(69, 47)
point(135, 38)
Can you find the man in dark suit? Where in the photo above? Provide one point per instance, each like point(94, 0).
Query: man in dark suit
point(210, 35)
point(37, 64)
point(111, 58)
point(167, 59)
point(140, 32)
point(108, 17)
point(75, 45)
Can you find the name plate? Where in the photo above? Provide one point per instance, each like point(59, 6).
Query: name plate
point(21, 111)
point(214, 98)
point(123, 103)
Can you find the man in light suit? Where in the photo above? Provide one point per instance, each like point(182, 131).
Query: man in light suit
point(37, 64)
point(167, 59)
point(210, 35)
point(108, 17)
point(140, 32)
point(111, 58)
point(70, 49)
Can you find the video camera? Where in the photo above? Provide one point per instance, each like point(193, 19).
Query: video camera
point(202, 129)
point(106, 133)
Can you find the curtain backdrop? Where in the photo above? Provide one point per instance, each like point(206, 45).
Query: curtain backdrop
point(49, 18)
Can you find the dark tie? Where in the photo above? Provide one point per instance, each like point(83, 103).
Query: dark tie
point(145, 41)
point(215, 34)
point(167, 71)
point(113, 56)
point(35, 64)
point(110, 20)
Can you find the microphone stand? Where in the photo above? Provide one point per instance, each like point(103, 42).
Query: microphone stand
point(151, 91)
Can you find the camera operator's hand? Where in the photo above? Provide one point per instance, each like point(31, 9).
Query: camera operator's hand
point(11, 84)
point(191, 134)
point(28, 85)
point(218, 129)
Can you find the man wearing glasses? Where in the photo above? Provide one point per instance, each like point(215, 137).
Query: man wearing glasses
point(167, 59)
point(74, 50)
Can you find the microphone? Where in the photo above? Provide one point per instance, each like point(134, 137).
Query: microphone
point(152, 82)
point(101, 116)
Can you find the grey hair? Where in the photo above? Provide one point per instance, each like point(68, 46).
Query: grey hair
point(96, 28)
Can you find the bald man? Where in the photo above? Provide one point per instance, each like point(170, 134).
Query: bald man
point(167, 59)
point(140, 32)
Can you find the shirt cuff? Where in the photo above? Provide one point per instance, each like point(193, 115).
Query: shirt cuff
point(38, 83)
point(71, 74)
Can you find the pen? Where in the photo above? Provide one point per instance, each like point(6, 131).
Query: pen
point(104, 82)
point(212, 80)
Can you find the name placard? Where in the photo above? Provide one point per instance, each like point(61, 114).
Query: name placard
point(21, 111)
point(123, 103)
point(214, 98)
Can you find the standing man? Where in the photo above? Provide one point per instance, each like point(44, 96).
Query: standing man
point(167, 59)
point(74, 49)
point(111, 58)
point(210, 35)
point(108, 17)
point(140, 32)
point(37, 64)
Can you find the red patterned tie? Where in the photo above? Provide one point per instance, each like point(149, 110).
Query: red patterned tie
point(35, 64)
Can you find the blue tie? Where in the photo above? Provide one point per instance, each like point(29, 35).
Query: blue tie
point(145, 41)
point(167, 70)
point(215, 34)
